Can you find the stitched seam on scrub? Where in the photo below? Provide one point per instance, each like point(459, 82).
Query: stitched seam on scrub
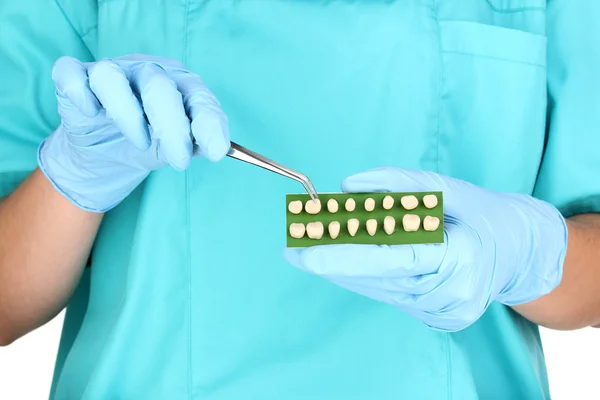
point(440, 84)
point(189, 260)
point(446, 337)
point(465, 53)
point(187, 222)
point(189, 288)
point(448, 365)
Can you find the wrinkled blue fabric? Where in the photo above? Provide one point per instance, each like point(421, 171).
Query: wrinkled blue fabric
point(500, 247)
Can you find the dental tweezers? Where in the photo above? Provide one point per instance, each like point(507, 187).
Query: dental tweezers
point(243, 154)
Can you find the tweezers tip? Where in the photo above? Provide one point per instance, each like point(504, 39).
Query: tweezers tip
point(312, 191)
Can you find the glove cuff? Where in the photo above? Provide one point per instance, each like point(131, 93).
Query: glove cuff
point(54, 161)
point(543, 255)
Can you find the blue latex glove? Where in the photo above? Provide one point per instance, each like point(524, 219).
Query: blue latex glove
point(504, 247)
point(123, 118)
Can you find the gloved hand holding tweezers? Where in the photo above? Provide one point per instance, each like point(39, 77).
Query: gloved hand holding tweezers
point(125, 117)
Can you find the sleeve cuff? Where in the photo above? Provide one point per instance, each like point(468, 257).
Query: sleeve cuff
point(586, 205)
point(9, 181)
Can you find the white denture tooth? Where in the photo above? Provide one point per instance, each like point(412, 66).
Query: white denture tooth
point(313, 206)
point(411, 222)
point(332, 206)
point(315, 230)
point(297, 230)
point(369, 204)
point(350, 204)
point(295, 207)
point(334, 229)
point(388, 202)
point(353, 226)
point(430, 200)
point(372, 227)
point(389, 224)
point(409, 202)
point(431, 223)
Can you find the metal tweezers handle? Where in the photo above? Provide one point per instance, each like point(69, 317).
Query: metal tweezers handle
point(243, 154)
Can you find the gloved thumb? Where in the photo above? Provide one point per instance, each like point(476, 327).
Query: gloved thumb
point(392, 179)
point(72, 87)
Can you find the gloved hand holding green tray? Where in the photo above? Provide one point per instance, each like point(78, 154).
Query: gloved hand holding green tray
point(386, 218)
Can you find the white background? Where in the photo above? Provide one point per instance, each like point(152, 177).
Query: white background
point(573, 364)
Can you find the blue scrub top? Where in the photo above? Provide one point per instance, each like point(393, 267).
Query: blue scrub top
point(188, 296)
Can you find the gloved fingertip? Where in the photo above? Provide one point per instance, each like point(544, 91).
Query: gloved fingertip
point(72, 85)
point(62, 66)
point(211, 132)
point(180, 165)
point(217, 150)
point(388, 179)
point(181, 160)
point(367, 181)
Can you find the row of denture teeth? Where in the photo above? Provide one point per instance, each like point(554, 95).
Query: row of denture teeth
point(409, 202)
point(315, 230)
